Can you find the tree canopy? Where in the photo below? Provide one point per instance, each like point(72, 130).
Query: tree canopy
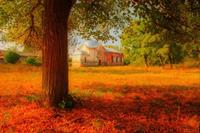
point(142, 46)
point(22, 19)
point(165, 31)
point(174, 15)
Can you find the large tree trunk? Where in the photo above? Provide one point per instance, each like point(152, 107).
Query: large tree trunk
point(55, 47)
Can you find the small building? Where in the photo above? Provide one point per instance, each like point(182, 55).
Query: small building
point(91, 53)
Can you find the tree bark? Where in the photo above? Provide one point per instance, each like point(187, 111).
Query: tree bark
point(146, 60)
point(170, 60)
point(161, 61)
point(55, 47)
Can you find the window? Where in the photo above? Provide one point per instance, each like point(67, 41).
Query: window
point(85, 59)
point(112, 59)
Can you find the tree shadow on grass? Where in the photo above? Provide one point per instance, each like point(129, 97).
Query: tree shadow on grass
point(167, 109)
point(138, 109)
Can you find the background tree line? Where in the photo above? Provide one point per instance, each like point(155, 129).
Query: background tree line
point(164, 32)
point(146, 48)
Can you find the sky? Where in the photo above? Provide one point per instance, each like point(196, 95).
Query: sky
point(109, 42)
point(11, 45)
point(81, 41)
point(5, 45)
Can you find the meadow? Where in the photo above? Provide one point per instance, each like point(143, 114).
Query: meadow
point(110, 99)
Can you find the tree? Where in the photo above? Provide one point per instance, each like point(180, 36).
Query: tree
point(90, 19)
point(139, 46)
point(170, 49)
point(55, 65)
point(51, 19)
point(173, 15)
point(143, 46)
point(162, 53)
point(177, 21)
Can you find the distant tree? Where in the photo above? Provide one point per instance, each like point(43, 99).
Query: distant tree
point(179, 19)
point(155, 48)
point(138, 45)
point(178, 16)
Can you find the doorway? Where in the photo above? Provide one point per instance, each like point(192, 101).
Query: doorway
point(99, 62)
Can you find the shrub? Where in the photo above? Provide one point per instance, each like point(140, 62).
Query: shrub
point(33, 61)
point(67, 103)
point(11, 57)
point(126, 61)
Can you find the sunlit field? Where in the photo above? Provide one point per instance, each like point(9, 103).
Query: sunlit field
point(109, 99)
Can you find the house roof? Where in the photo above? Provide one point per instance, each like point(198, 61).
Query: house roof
point(112, 50)
point(80, 52)
point(91, 44)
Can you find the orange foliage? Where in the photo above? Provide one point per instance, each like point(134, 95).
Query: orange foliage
point(114, 99)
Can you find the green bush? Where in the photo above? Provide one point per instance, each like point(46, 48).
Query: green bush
point(126, 61)
point(33, 61)
point(11, 57)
